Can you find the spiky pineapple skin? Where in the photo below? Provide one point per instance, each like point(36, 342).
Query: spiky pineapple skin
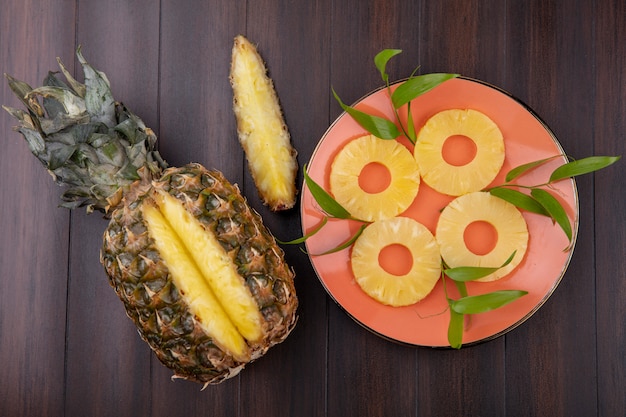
point(141, 278)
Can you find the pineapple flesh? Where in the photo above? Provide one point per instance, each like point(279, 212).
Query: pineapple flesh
point(510, 226)
point(197, 271)
point(387, 287)
point(261, 128)
point(348, 166)
point(455, 180)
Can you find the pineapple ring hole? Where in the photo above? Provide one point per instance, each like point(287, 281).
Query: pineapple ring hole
point(480, 237)
point(396, 259)
point(459, 150)
point(374, 178)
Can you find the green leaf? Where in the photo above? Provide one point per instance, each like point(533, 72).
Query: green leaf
point(381, 59)
point(471, 273)
point(461, 287)
point(344, 245)
point(486, 302)
point(519, 199)
point(416, 86)
point(306, 236)
point(455, 329)
point(326, 202)
point(377, 126)
point(554, 208)
point(582, 166)
point(517, 171)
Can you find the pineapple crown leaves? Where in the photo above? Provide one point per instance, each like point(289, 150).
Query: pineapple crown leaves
point(85, 139)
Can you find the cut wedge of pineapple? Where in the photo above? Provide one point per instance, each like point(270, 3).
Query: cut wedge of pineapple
point(509, 224)
point(480, 171)
point(392, 288)
point(261, 128)
point(347, 168)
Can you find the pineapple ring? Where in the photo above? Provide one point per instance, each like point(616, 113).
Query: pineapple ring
point(348, 166)
point(388, 288)
point(475, 175)
point(507, 220)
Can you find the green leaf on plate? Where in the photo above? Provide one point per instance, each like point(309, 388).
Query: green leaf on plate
point(377, 126)
point(522, 169)
point(554, 208)
point(416, 86)
point(455, 329)
point(326, 202)
point(308, 235)
point(475, 304)
point(472, 273)
point(345, 244)
point(519, 199)
point(381, 59)
point(582, 166)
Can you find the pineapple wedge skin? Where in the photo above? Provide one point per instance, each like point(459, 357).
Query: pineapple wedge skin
point(261, 128)
point(141, 277)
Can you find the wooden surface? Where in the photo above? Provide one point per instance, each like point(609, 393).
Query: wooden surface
point(66, 346)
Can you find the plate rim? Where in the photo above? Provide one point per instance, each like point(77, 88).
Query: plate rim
point(537, 306)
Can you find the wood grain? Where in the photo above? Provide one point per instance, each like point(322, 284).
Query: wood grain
point(66, 346)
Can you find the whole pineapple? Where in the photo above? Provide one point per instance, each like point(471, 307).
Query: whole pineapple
point(197, 271)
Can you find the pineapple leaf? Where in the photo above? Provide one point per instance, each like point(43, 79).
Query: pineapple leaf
point(485, 302)
point(377, 126)
point(522, 169)
point(455, 329)
point(98, 98)
point(381, 59)
point(582, 166)
point(416, 86)
point(519, 199)
point(471, 273)
point(554, 209)
point(326, 202)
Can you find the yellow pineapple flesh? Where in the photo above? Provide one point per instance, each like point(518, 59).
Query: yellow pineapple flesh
point(261, 128)
point(388, 287)
point(347, 168)
point(448, 178)
point(506, 219)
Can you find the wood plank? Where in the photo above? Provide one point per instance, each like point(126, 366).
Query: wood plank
point(291, 379)
point(610, 206)
point(107, 363)
point(542, 71)
point(34, 255)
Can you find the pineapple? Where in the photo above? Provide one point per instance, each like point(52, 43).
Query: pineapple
point(388, 287)
point(450, 179)
point(348, 166)
point(261, 128)
point(509, 224)
point(201, 277)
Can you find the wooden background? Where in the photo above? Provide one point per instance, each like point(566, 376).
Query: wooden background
point(66, 346)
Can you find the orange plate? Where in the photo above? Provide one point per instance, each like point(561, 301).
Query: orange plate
point(425, 323)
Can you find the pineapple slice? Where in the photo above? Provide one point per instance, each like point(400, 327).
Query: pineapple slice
point(261, 128)
point(394, 198)
point(510, 228)
point(449, 178)
point(396, 289)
